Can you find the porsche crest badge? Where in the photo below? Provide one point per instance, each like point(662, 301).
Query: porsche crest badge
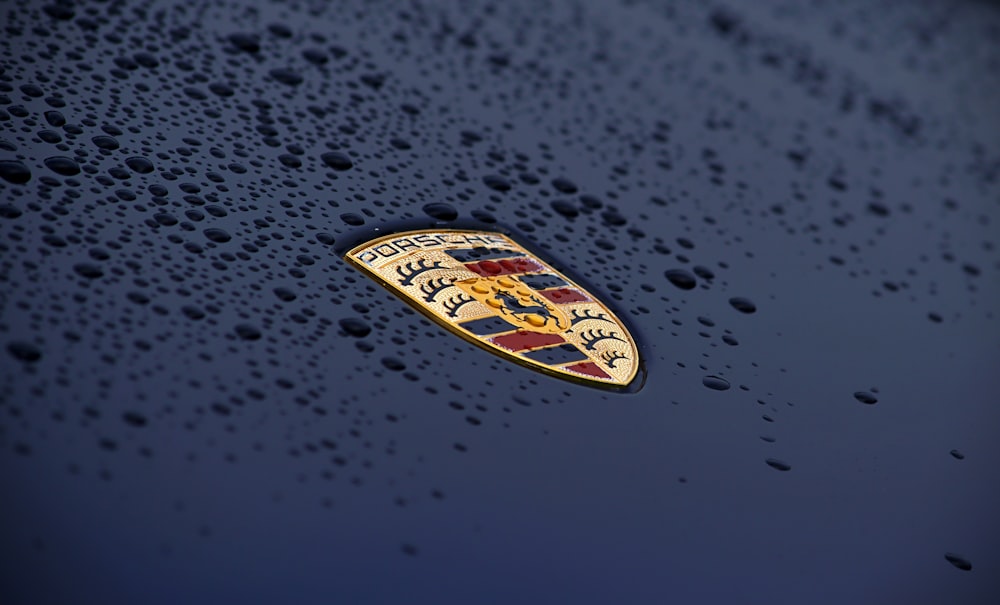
point(489, 290)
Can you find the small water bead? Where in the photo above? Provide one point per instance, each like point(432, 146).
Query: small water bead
point(352, 219)
point(88, 270)
point(105, 142)
point(958, 561)
point(24, 351)
point(496, 182)
point(743, 305)
point(564, 185)
point(337, 160)
point(135, 419)
point(284, 294)
point(565, 208)
point(286, 76)
point(355, 327)
point(703, 272)
point(247, 332)
point(440, 211)
point(866, 397)
point(778, 464)
point(681, 278)
point(249, 43)
point(393, 364)
point(716, 383)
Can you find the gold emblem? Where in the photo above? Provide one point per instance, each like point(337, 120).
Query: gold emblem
point(489, 290)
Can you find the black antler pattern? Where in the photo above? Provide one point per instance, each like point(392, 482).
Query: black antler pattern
point(612, 357)
point(432, 287)
point(409, 271)
point(577, 316)
point(590, 338)
point(453, 304)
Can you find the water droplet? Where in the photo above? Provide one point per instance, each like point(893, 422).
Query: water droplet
point(715, 383)
point(352, 219)
point(286, 76)
point(565, 208)
point(355, 327)
point(217, 235)
point(15, 172)
point(743, 305)
point(62, 165)
point(139, 164)
point(496, 182)
point(703, 272)
point(134, 419)
point(247, 332)
point(778, 464)
point(564, 185)
point(865, 397)
point(393, 364)
point(9, 211)
point(59, 10)
point(88, 270)
point(337, 160)
point(681, 278)
point(958, 561)
point(105, 142)
point(24, 351)
point(55, 118)
point(441, 211)
point(284, 294)
point(248, 43)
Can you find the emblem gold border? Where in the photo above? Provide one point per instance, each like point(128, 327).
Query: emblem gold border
point(454, 328)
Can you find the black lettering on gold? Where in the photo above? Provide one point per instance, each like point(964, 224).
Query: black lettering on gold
point(392, 250)
point(427, 240)
point(404, 243)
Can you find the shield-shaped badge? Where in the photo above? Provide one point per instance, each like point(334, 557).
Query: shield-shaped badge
point(489, 290)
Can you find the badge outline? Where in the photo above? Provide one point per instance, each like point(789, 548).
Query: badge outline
point(636, 377)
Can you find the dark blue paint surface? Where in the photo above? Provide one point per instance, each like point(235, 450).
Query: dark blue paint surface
point(792, 205)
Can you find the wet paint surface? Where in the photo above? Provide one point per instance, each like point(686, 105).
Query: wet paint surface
point(793, 204)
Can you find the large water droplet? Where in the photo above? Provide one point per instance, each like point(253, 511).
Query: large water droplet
point(681, 278)
point(743, 305)
point(63, 165)
point(217, 235)
point(337, 160)
point(24, 351)
point(15, 172)
point(139, 164)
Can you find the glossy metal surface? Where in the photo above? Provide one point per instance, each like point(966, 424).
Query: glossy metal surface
point(792, 206)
